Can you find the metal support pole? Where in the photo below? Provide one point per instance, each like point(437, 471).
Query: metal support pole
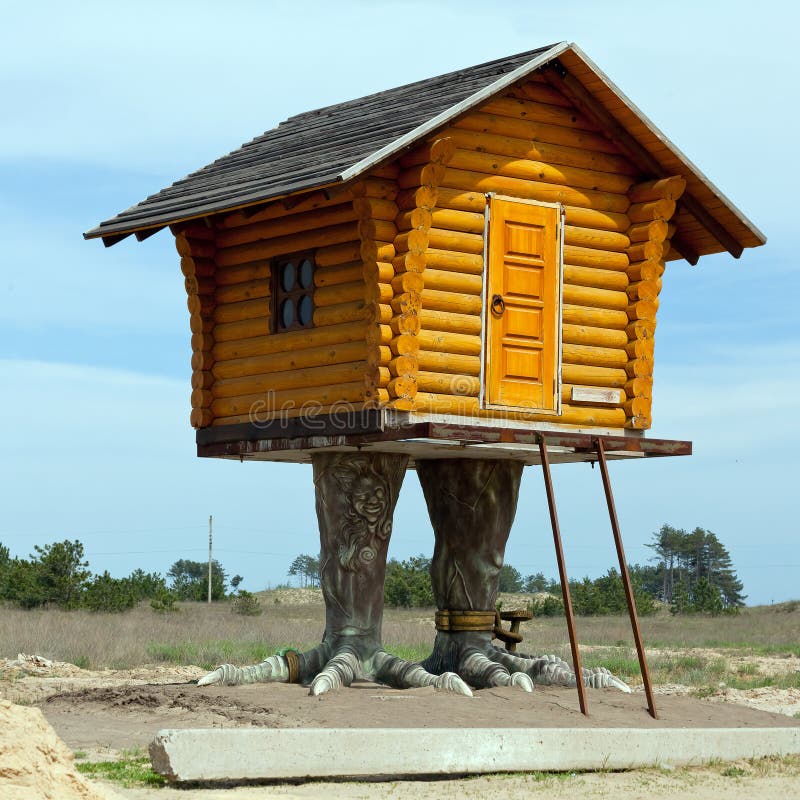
point(210, 520)
point(562, 574)
point(626, 579)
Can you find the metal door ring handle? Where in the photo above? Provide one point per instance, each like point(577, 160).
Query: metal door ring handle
point(498, 305)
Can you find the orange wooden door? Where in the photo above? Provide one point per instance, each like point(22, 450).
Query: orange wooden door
point(522, 299)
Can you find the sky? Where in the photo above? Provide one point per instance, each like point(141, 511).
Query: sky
point(106, 103)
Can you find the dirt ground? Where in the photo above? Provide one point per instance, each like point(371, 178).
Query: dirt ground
point(103, 713)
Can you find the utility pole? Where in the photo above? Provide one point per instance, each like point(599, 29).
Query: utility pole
point(210, 523)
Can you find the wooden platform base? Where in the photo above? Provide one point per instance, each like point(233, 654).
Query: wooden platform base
point(294, 440)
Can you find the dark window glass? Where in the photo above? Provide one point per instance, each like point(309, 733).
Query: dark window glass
point(305, 311)
point(306, 274)
point(293, 288)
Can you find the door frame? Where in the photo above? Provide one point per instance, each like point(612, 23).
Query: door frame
point(482, 402)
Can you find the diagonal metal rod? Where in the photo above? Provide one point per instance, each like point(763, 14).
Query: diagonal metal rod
point(562, 574)
point(626, 579)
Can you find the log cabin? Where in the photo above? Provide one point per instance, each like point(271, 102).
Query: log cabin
point(460, 265)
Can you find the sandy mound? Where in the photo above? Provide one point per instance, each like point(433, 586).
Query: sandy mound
point(35, 764)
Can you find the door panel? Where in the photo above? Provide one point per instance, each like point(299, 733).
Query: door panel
point(522, 315)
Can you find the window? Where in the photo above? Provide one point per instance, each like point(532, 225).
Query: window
point(293, 292)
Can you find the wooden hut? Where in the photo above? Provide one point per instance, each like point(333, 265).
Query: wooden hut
point(472, 260)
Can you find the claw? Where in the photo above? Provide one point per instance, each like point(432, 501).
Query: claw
point(340, 671)
point(602, 678)
point(212, 677)
point(450, 682)
point(522, 681)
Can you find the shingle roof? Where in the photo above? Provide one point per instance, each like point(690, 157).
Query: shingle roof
point(340, 142)
point(310, 149)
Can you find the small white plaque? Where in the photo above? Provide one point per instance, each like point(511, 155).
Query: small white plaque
point(588, 394)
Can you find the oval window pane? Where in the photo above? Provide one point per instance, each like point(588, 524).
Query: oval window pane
point(305, 311)
point(287, 313)
point(287, 276)
point(306, 273)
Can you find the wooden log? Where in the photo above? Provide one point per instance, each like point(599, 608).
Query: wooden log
point(656, 231)
point(407, 323)
point(241, 329)
point(644, 290)
point(202, 360)
point(194, 248)
point(570, 415)
point(298, 204)
point(379, 357)
point(390, 170)
point(200, 304)
point(326, 374)
point(450, 363)
point(335, 353)
point(408, 282)
point(377, 251)
point(201, 398)
point(340, 273)
point(257, 270)
point(377, 334)
point(599, 278)
point(567, 389)
point(588, 257)
point(247, 309)
point(448, 342)
point(598, 220)
point(238, 292)
point(594, 317)
point(460, 200)
point(195, 229)
point(537, 190)
point(201, 324)
point(291, 341)
point(198, 285)
point(593, 356)
point(652, 210)
point(446, 281)
point(441, 239)
point(423, 175)
point(403, 387)
point(339, 293)
point(436, 300)
point(639, 368)
point(638, 407)
point(285, 226)
point(454, 261)
point(344, 253)
point(525, 109)
point(371, 208)
point(542, 93)
point(415, 241)
point(463, 221)
point(613, 187)
point(378, 272)
point(532, 150)
point(583, 375)
point(319, 237)
point(640, 329)
point(378, 314)
point(447, 321)
point(658, 189)
point(648, 251)
point(541, 132)
point(643, 309)
point(448, 383)
point(595, 239)
point(378, 293)
point(598, 298)
point(403, 366)
point(640, 348)
point(598, 337)
point(202, 380)
point(639, 387)
point(645, 270)
point(266, 402)
point(343, 312)
point(417, 197)
point(405, 345)
point(407, 303)
point(201, 417)
point(438, 151)
point(201, 267)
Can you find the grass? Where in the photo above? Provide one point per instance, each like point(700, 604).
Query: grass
point(132, 769)
point(209, 635)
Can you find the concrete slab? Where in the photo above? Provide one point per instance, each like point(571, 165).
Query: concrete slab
point(269, 754)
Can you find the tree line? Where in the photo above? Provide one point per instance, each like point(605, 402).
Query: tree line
point(57, 575)
point(691, 572)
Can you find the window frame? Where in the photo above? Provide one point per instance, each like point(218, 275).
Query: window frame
point(279, 294)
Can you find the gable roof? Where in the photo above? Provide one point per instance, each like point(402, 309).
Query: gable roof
point(341, 142)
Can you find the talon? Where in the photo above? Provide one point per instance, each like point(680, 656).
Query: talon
point(322, 684)
point(450, 682)
point(212, 677)
point(522, 681)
